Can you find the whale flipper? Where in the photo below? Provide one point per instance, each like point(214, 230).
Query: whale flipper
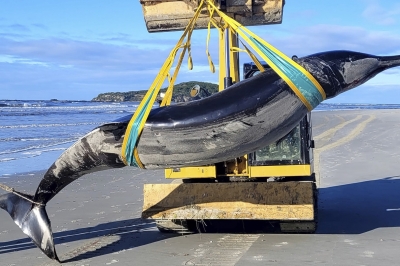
point(32, 219)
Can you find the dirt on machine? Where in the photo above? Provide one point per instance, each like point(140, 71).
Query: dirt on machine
point(168, 15)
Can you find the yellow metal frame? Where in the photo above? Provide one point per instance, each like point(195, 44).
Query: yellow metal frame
point(210, 171)
point(280, 170)
point(250, 171)
point(233, 55)
point(191, 172)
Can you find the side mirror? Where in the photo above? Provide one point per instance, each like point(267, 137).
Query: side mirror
point(197, 91)
point(194, 91)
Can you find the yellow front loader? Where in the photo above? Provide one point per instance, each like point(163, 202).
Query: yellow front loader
point(273, 184)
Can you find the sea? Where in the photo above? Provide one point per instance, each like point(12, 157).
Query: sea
point(33, 134)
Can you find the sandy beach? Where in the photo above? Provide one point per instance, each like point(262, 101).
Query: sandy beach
point(96, 220)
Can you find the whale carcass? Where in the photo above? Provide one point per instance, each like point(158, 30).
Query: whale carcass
point(248, 115)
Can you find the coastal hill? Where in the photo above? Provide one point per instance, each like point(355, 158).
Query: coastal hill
point(181, 93)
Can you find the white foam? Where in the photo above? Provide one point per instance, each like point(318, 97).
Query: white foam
point(27, 149)
point(7, 159)
point(36, 153)
point(51, 125)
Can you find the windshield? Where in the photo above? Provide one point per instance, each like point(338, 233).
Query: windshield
point(287, 148)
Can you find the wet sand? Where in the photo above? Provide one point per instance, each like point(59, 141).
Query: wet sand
point(96, 220)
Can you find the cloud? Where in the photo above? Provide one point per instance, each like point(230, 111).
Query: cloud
point(30, 81)
point(18, 28)
point(16, 60)
point(324, 37)
point(74, 66)
point(150, 42)
point(83, 67)
point(80, 68)
point(380, 15)
point(78, 53)
point(39, 26)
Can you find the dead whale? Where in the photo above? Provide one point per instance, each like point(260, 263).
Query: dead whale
point(248, 115)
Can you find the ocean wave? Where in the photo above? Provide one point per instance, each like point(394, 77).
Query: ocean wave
point(25, 107)
point(22, 104)
point(7, 159)
point(33, 135)
point(54, 149)
point(116, 112)
point(77, 112)
point(41, 151)
point(30, 154)
point(35, 139)
point(52, 125)
point(36, 153)
point(18, 110)
point(39, 147)
point(11, 139)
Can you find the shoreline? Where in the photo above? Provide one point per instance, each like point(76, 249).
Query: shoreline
point(26, 182)
point(22, 174)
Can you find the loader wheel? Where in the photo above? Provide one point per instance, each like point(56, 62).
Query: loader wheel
point(175, 226)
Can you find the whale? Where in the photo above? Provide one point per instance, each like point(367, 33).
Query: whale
point(238, 120)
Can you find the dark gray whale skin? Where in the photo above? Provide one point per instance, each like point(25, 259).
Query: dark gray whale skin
point(248, 115)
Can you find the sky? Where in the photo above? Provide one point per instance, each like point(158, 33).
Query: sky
point(74, 50)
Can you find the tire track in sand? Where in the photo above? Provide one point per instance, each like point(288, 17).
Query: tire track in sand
point(353, 134)
point(332, 131)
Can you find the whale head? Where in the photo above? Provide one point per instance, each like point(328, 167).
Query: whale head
point(340, 71)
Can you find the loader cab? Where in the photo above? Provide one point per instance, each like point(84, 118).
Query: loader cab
point(293, 149)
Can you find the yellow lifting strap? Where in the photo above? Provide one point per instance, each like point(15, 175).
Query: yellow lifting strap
point(129, 152)
point(303, 84)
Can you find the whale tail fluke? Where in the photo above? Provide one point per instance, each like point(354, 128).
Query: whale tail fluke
point(32, 219)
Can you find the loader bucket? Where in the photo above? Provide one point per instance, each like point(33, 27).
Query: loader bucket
point(170, 15)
